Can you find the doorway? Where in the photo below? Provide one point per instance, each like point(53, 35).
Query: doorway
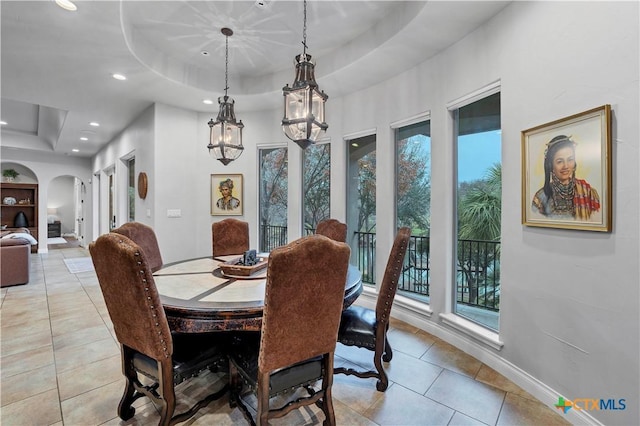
point(65, 212)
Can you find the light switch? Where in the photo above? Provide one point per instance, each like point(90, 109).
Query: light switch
point(174, 213)
point(148, 212)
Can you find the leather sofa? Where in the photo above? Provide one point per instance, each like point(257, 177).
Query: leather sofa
point(15, 261)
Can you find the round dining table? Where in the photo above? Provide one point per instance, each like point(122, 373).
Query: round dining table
point(198, 297)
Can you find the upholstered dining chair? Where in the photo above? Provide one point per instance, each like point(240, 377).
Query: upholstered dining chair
point(303, 301)
point(365, 328)
point(333, 229)
point(145, 237)
point(229, 236)
point(148, 348)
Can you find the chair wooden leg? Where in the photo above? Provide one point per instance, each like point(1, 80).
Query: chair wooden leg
point(125, 410)
point(383, 380)
point(167, 394)
point(327, 409)
point(327, 398)
point(388, 352)
point(262, 417)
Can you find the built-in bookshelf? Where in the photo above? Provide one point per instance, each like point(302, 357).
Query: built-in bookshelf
point(26, 201)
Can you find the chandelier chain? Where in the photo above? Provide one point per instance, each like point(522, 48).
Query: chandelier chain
point(304, 30)
point(226, 66)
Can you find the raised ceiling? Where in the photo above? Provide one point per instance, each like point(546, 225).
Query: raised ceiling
point(57, 65)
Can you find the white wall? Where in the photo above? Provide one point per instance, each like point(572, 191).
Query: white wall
point(138, 141)
point(179, 186)
point(570, 301)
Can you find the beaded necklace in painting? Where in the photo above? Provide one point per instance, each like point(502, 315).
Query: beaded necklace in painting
point(563, 195)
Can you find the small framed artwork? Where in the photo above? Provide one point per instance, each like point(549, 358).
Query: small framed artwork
point(566, 172)
point(226, 195)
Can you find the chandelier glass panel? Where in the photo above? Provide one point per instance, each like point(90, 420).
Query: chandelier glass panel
point(225, 134)
point(303, 120)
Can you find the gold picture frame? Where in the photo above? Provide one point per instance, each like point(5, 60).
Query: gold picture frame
point(229, 203)
point(566, 172)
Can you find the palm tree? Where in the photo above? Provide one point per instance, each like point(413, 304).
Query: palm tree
point(481, 207)
point(479, 219)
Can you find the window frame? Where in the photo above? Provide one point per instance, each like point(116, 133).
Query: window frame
point(424, 117)
point(449, 315)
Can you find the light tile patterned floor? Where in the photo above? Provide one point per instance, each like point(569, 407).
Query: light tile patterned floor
point(60, 365)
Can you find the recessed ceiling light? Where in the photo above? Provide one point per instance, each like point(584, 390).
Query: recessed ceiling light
point(84, 139)
point(3, 123)
point(204, 53)
point(207, 101)
point(94, 124)
point(75, 150)
point(67, 5)
point(119, 76)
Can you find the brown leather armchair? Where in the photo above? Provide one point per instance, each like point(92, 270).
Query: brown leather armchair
point(229, 236)
point(145, 237)
point(148, 347)
point(303, 301)
point(333, 229)
point(365, 328)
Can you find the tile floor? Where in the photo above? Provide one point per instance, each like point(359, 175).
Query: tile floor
point(60, 365)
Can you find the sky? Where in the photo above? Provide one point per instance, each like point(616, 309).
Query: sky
point(476, 153)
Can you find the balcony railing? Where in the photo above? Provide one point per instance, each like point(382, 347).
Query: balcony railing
point(478, 272)
point(416, 277)
point(365, 255)
point(272, 236)
point(478, 275)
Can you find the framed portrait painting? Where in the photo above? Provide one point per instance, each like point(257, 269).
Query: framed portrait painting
point(566, 172)
point(226, 195)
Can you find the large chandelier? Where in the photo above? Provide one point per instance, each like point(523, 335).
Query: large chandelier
point(225, 135)
point(303, 120)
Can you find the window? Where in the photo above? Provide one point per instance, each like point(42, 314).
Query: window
point(413, 204)
point(316, 190)
point(273, 176)
point(479, 205)
point(361, 204)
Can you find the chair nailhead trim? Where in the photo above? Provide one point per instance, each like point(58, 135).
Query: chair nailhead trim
point(152, 307)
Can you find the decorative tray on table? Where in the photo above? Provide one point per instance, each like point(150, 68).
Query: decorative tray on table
point(245, 265)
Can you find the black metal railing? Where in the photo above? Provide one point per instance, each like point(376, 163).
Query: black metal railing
point(478, 275)
point(365, 255)
point(272, 236)
point(478, 272)
point(415, 276)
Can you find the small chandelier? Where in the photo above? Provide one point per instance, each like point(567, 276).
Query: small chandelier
point(303, 120)
point(225, 135)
